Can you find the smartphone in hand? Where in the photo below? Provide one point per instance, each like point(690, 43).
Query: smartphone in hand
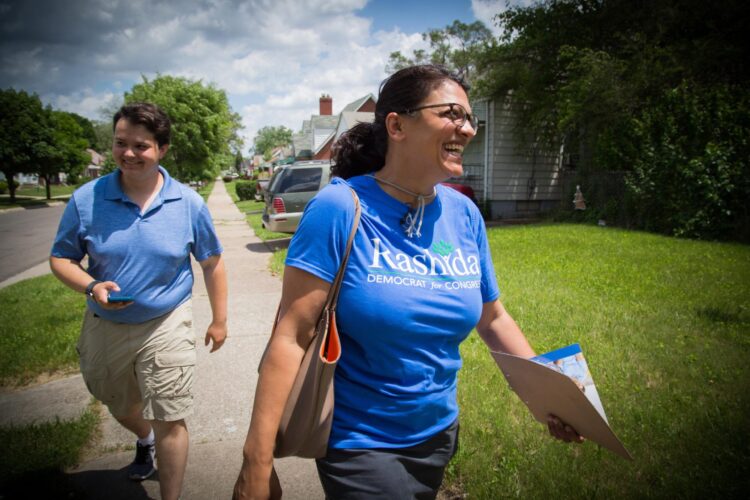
point(118, 299)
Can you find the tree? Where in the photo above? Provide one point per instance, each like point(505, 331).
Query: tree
point(238, 161)
point(581, 67)
point(38, 140)
point(104, 135)
point(692, 165)
point(268, 138)
point(204, 127)
point(64, 149)
point(456, 46)
point(622, 84)
point(23, 125)
point(87, 129)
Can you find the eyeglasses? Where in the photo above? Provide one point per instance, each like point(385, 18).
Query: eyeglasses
point(456, 113)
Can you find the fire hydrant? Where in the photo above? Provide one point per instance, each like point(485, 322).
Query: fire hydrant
point(578, 202)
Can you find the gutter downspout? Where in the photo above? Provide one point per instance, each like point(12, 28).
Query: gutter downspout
point(487, 146)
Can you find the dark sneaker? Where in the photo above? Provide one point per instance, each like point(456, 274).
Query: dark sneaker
point(143, 465)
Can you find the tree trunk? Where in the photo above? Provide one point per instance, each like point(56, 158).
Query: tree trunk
point(11, 186)
point(46, 186)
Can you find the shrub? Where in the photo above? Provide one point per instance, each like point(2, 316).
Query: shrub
point(4, 185)
point(245, 190)
point(690, 173)
point(73, 178)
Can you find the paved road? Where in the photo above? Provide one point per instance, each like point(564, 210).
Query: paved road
point(26, 237)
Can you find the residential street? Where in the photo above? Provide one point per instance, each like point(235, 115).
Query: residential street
point(26, 237)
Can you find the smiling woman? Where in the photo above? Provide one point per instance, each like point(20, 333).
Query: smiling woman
point(418, 280)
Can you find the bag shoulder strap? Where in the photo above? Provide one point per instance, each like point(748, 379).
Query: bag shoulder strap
point(333, 293)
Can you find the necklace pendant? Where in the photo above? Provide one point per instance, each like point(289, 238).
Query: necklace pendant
point(409, 223)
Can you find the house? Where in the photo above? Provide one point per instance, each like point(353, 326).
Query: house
point(247, 167)
point(319, 133)
point(281, 155)
point(348, 119)
point(23, 179)
point(94, 168)
point(513, 181)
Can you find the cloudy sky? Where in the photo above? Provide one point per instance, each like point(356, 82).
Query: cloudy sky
point(274, 58)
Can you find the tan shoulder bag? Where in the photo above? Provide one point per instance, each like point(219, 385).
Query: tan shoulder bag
point(306, 422)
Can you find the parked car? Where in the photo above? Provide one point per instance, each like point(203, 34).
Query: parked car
point(289, 190)
point(461, 188)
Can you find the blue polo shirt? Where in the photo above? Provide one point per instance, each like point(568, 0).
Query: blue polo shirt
point(146, 254)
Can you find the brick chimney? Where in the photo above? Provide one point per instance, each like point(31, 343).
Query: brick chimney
point(326, 105)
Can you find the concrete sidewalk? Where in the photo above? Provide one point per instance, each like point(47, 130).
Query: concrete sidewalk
point(224, 387)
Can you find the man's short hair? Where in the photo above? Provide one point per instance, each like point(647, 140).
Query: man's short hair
point(150, 116)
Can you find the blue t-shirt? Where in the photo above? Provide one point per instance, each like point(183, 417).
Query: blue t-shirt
point(405, 306)
point(147, 255)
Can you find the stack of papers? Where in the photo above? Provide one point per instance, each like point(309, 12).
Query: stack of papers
point(559, 383)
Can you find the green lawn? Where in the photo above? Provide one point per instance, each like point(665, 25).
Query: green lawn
point(206, 190)
point(277, 262)
point(57, 190)
point(29, 196)
point(254, 219)
point(5, 203)
point(34, 457)
point(253, 211)
point(231, 188)
point(40, 320)
point(664, 325)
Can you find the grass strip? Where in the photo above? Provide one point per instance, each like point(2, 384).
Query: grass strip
point(206, 189)
point(231, 188)
point(254, 220)
point(35, 456)
point(55, 190)
point(5, 203)
point(40, 320)
point(277, 262)
point(253, 211)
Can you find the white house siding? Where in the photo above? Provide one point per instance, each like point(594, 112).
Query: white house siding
point(473, 162)
point(320, 137)
point(517, 183)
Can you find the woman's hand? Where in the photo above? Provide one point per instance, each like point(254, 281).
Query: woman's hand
point(100, 294)
point(303, 297)
point(562, 431)
point(256, 482)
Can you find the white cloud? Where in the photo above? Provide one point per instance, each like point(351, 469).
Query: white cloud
point(85, 103)
point(486, 10)
point(274, 58)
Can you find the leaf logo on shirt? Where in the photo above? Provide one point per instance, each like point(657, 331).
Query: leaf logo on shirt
point(442, 248)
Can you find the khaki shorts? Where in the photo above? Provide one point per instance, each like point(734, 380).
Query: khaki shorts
point(150, 364)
